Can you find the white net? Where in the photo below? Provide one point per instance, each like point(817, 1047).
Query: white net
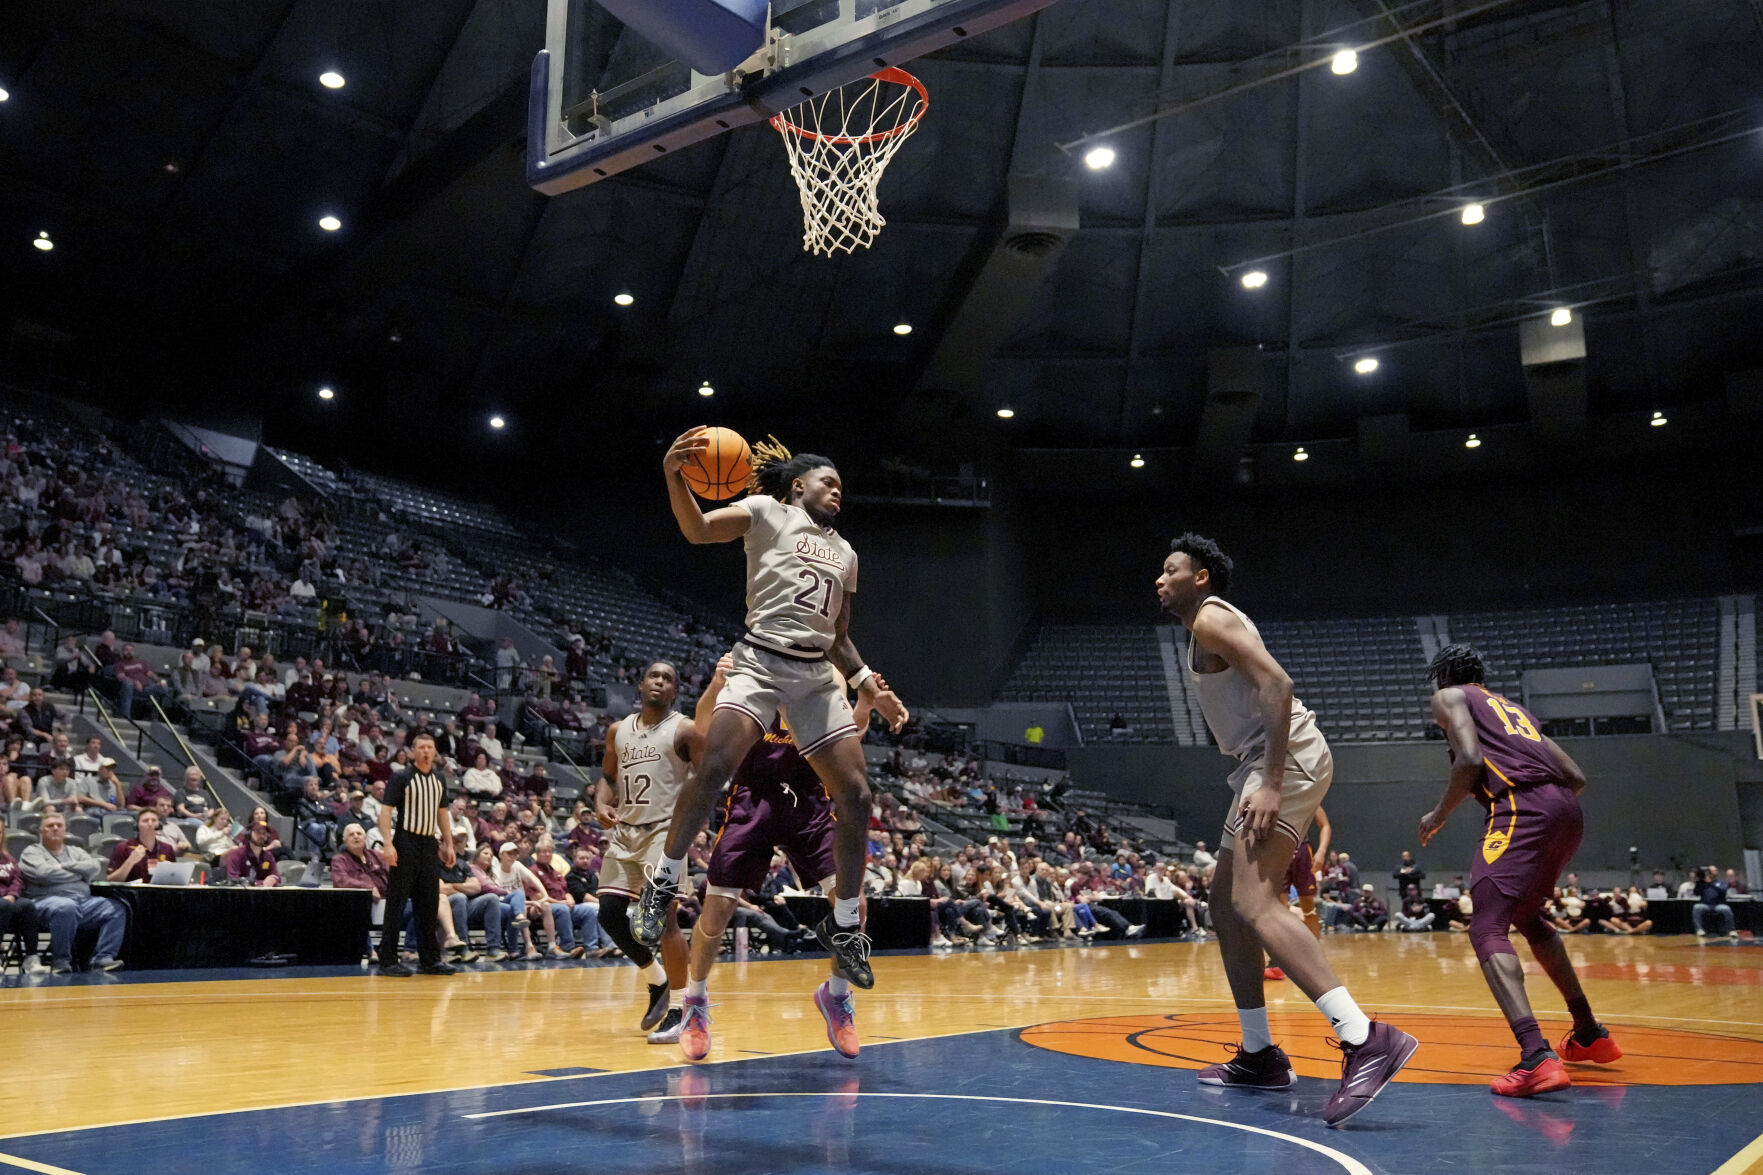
point(839, 144)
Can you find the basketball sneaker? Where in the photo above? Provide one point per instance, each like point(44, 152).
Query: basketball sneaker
point(1547, 1074)
point(667, 1032)
point(649, 915)
point(658, 1001)
point(1602, 1051)
point(1273, 973)
point(1268, 1069)
point(841, 1019)
point(1366, 1068)
point(694, 1029)
point(849, 949)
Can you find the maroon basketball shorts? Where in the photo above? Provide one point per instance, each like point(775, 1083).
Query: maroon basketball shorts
point(802, 825)
point(1301, 873)
point(1530, 836)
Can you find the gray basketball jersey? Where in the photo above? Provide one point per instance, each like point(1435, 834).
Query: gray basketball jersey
point(798, 574)
point(650, 771)
point(1229, 701)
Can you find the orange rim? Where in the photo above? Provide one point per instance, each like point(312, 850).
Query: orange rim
point(894, 74)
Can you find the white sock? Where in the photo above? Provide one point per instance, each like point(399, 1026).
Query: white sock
point(653, 975)
point(839, 986)
point(1350, 1024)
point(668, 872)
point(1256, 1034)
point(845, 911)
point(698, 989)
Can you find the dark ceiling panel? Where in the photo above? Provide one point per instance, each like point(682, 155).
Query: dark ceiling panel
point(1228, 161)
point(1123, 32)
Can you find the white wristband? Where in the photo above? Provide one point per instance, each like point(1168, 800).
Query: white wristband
point(861, 676)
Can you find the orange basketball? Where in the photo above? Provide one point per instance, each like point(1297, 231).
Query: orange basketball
point(721, 470)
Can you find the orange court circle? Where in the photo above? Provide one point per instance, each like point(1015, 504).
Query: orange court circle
point(1454, 1050)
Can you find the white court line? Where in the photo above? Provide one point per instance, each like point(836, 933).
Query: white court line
point(1750, 1159)
point(32, 1165)
point(1351, 1165)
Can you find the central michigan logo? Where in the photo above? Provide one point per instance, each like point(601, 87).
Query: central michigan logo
point(815, 552)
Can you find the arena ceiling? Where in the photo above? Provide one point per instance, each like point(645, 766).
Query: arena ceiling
point(180, 156)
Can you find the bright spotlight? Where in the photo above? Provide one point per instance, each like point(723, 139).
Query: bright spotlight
point(1300, 455)
point(1098, 158)
point(623, 298)
point(1659, 420)
point(1138, 461)
point(1366, 365)
point(1254, 279)
point(1474, 214)
point(329, 224)
point(43, 242)
point(326, 394)
point(705, 390)
point(1345, 62)
point(4, 95)
point(1474, 442)
point(1006, 413)
point(497, 422)
point(330, 79)
point(1561, 317)
point(902, 328)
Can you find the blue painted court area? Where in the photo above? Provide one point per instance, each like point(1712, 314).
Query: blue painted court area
point(983, 1102)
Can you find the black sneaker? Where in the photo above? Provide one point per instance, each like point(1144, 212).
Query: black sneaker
point(437, 969)
point(649, 915)
point(1268, 1069)
point(667, 1032)
point(658, 1001)
point(849, 949)
point(396, 970)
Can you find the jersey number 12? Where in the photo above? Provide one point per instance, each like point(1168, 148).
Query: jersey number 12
point(636, 789)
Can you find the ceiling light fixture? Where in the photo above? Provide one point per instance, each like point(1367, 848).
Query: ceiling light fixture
point(329, 224)
point(326, 394)
point(43, 242)
point(1300, 455)
point(330, 79)
point(705, 390)
point(1099, 158)
point(1474, 214)
point(1474, 442)
point(623, 298)
point(1254, 279)
point(902, 328)
point(1366, 365)
point(4, 95)
point(497, 422)
point(1561, 317)
point(1006, 413)
point(1659, 420)
point(1138, 461)
point(1344, 62)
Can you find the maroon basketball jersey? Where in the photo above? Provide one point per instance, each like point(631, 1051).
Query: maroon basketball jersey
point(1511, 746)
point(775, 765)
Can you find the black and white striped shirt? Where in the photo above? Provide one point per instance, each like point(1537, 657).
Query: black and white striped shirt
point(417, 797)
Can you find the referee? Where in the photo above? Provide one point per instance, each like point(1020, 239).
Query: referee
point(415, 848)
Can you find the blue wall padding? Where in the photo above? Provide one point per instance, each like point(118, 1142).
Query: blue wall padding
point(711, 36)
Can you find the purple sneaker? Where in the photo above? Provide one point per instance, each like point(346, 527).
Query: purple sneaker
point(1268, 1069)
point(1367, 1068)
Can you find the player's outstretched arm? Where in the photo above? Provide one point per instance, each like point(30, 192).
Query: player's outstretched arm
point(1451, 712)
point(1326, 839)
point(719, 526)
point(706, 708)
point(1222, 634)
point(1569, 769)
point(871, 687)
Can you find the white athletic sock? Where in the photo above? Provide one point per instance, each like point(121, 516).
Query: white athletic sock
point(698, 988)
point(839, 986)
point(653, 975)
point(1256, 1034)
point(668, 872)
point(845, 911)
point(1352, 1025)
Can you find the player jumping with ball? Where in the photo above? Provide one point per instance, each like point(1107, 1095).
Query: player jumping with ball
point(801, 584)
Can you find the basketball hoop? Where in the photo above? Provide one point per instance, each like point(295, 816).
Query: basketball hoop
point(839, 144)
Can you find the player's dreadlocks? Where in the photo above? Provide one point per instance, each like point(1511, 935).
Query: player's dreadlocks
point(1457, 665)
point(1206, 553)
point(774, 469)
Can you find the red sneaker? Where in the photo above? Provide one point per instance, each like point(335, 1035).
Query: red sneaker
point(1549, 1075)
point(694, 1033)
point(840, 1015)
point(1602, 1051)
point(1273, 973)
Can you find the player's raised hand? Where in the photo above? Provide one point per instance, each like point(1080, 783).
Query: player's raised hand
point(725, 665)
point(893, 710)
point(685, 446)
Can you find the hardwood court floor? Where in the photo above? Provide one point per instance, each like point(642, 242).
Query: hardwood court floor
point(92, 1055)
